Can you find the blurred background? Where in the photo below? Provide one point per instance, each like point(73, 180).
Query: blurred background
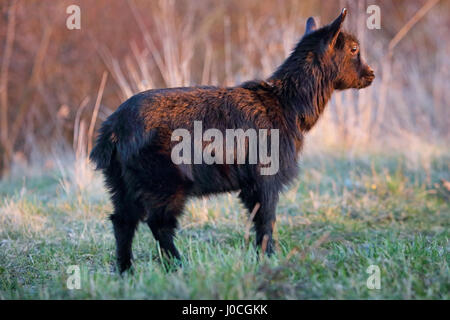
point(57, 85)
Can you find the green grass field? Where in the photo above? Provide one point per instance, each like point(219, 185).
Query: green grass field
point(340, 217)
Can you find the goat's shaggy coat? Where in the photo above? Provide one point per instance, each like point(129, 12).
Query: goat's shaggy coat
point(134, 145)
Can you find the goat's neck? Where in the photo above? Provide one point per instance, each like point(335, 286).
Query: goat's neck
point(303, 95)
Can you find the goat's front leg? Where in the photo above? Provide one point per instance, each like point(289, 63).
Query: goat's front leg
point(264, 223)
point(262, 207)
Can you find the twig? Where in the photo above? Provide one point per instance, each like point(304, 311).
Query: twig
point(405, 29)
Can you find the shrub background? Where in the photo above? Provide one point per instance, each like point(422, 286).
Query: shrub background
point(50, 76)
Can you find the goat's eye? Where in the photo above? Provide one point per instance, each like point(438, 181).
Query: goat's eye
point(354, 49)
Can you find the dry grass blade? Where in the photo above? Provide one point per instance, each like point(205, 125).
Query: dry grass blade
point(248, 225)
point(316, 244)
point(76, 126)
point(96, 108)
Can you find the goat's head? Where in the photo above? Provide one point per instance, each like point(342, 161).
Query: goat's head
point(337, 53)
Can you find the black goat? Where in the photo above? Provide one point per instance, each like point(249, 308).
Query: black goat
point(135, 145)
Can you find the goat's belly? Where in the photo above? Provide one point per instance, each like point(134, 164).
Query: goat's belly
point(212, 179)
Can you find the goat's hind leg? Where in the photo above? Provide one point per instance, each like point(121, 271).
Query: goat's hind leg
point(162, 221)
point(162, 194)
point(124, 225)
point(124, 219)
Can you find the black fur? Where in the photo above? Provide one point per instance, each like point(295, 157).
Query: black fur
point(134, 145)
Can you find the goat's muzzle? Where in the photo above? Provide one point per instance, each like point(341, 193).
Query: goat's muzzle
point(367, 77)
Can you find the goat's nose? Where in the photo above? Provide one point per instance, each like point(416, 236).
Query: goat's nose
point(370, 70)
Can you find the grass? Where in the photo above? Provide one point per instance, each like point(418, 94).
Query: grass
point(340, 217)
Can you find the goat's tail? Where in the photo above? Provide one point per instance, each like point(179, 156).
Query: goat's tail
point(127, 140)
point(104, 147)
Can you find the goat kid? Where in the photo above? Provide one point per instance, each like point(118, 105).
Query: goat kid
point(133, 148)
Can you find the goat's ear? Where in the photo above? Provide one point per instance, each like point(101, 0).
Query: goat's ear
point(335, 28)
point(311, 25)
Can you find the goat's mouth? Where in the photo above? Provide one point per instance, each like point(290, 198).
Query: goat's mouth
point(366, 81)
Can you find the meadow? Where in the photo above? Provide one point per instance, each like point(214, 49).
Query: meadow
point(341, 216)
